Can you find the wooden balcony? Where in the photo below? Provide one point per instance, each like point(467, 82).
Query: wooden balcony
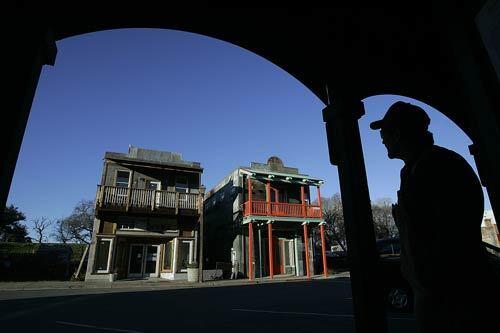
point(124, 198)
point(264, 208)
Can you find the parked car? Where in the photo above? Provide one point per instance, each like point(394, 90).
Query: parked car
point(396, 290)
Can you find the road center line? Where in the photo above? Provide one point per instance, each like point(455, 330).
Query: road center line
point(296, 313)
point(313, 314)
point(97, 327)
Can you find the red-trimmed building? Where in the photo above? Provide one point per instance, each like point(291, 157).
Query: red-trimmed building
point(263, 215)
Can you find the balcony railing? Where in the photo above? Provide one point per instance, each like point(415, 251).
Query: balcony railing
point(264, 208)
point(145, 198)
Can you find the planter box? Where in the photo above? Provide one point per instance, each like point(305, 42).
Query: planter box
point(192, 274)
point(112, 277)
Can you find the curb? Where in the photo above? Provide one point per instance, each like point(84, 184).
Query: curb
point(171, 285)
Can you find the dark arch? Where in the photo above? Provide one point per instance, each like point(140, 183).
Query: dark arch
point(355, 51)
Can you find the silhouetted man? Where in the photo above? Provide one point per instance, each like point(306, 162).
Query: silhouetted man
point(439, 212)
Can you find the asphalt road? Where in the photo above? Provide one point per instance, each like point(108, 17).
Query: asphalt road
point(312, 306)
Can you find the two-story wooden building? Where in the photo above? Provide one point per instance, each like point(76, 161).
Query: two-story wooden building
point(259, 219)
point(147, 213)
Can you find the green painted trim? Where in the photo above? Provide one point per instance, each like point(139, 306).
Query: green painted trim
point(295, 176)
point(247, 219)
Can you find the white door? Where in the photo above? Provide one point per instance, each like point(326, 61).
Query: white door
point(151, 261)
point(155, 185)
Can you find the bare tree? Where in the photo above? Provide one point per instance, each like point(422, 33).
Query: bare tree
point(383, 221)
point(334, 218)
point(78, 226)
point(61, 234)
point(40, 228)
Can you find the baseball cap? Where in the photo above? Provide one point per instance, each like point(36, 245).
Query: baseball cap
point(403, 115)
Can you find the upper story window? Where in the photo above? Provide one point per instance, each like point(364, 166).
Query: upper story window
point(122, 178)
point(181, 184)
point(153, 185)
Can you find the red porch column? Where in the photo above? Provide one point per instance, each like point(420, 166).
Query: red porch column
point(303, 200)
point(323, 247)
point(249, 186)
point(268, 197)
point(250, 251)
point(319, 203)
point(270, 245)
point(306, 245)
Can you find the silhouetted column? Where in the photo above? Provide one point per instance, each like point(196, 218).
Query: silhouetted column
point(24, 56)
point(344, 145)
point(479, 94)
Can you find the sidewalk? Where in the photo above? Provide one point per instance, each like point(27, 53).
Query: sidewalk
point(150, 283)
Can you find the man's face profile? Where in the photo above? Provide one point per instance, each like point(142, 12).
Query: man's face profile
point(390, 139)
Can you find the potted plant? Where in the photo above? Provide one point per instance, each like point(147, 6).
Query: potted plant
point(192, 272)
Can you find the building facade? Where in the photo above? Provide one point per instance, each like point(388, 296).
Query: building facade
point(148, 208)
point(259, 220)
point(489, 229)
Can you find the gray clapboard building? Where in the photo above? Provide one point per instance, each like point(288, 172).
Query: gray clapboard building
point(148, 208)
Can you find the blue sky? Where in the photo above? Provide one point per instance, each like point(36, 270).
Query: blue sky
point(212, 101)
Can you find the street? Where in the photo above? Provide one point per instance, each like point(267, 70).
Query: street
point(309, 306)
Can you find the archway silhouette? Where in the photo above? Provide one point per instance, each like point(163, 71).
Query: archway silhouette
point(349, 50)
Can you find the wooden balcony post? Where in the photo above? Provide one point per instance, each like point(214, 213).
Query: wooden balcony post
point(177, 202)
point(200, 203)
point(268, 197)
point(129, 190)
point(129, 193)
point(153, 200)
point(102, 188)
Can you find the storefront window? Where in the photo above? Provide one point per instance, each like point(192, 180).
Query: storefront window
point(168, 255)
point(103, 255)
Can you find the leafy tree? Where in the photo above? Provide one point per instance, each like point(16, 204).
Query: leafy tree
point(11, 230)
point(78, 226)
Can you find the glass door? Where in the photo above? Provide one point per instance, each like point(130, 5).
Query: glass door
point(136, 260)
point(151, 261)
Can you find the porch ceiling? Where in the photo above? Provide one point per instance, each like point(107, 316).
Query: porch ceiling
point(148, 234)
point(256, 218)
point(283, 177)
